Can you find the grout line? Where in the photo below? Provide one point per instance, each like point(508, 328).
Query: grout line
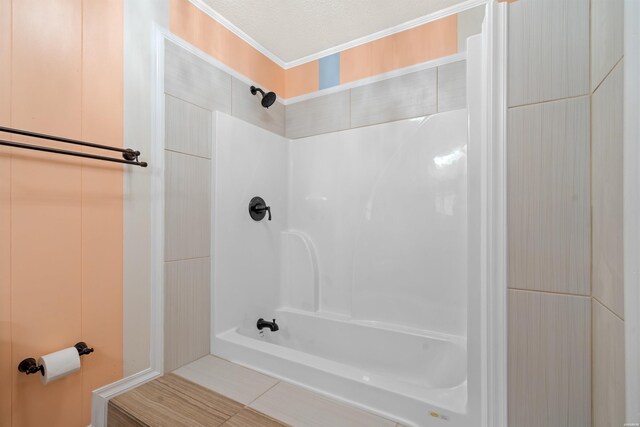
point(284, 120)
point(187, 154)
point(262, 394)
point(608, 309)
point(244, 406)
point(188, 259)
point(590, 61)
point(590, 194)
point(176, 97)
point(607, 75)
point(350, 108)
point(231, 95)
point(549, 292)
point(438, 88)
point(591, 351)
point(548, 101)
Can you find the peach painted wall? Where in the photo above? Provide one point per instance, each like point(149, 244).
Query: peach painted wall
point(60, 217)
point(302, 79)
point(423, 43)
point(195, 26)
point(426, 42)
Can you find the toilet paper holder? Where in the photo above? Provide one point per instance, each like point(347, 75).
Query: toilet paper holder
point(30, 366)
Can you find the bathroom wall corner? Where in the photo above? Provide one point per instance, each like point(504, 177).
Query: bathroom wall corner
point(139, 21)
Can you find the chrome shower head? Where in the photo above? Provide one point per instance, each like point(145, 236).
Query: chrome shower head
point(267, 98)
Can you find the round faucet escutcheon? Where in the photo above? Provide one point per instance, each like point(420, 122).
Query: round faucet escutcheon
point(258, 209)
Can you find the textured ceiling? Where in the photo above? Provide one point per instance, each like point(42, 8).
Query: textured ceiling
point(293, 29)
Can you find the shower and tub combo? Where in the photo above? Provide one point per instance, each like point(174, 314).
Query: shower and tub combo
point(348, 273)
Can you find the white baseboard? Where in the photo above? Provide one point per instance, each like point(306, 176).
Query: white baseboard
point(101, 396)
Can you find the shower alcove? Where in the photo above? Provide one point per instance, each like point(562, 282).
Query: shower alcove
point(379, 259)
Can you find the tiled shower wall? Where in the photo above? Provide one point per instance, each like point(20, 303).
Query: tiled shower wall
point(607, 288)
point(194, 89)
point(416, 94)
point(564, 161)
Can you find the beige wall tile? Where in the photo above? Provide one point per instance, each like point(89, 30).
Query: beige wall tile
point(187, 311)
point(248, 108)
point(607, 44)
point(403, 97)
point(187, 206)
point(194, 80)
point(299, 407)
point(608, 368)
point(452, 86)
point(187, 127)
point(237, 382)
point(548, 56)
point(549, 363)
point(606, 189)
point(324, 114)
point(548, 196)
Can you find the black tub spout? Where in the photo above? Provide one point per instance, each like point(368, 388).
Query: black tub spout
point(273, 326)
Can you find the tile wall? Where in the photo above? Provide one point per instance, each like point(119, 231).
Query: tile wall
point(607, 285)
point(194, 89)
point(421, 93)
point(564, 162)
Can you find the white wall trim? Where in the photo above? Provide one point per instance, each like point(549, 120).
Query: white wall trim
point(100, 397)
point(631, 200)
point(457, 8)
point(157, 202)
point(494, 222)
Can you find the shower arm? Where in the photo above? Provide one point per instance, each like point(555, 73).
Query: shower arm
point(254, 90)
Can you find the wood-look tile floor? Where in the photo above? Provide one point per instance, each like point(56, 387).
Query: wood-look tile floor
point(287, 403)
point(172, 401)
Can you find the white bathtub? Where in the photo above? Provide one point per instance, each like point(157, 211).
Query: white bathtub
point(368, 224)
point(399, 373)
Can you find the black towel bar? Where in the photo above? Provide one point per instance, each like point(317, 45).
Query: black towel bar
point(129, 156)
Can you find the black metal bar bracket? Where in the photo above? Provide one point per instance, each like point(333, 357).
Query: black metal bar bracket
point(129, 156)
point(83, 348)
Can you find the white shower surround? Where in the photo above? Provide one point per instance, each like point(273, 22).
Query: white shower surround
point(364, 265)
point(486, 342)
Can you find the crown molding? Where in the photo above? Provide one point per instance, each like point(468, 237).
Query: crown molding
point(460, 7)
point(237, 31)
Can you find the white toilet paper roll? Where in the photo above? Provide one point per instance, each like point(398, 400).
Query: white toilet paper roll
point(59, 364)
